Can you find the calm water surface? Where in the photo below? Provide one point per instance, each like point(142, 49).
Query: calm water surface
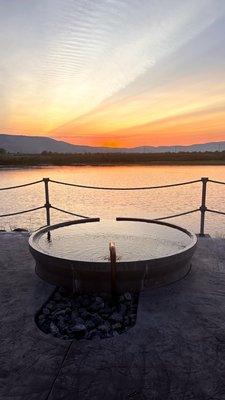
point(133, 241)
point(106, 204)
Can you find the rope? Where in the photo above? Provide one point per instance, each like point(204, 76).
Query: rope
point(68, 212)
point(109, 188)
point(123, 188)
point(219, 182)
point(22, 212)
point(19, 186)
point(215, 211)
point(177, 215)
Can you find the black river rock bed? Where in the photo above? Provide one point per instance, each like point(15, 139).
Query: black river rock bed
point(94, 316)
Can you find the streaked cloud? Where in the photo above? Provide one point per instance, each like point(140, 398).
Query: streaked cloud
point(86, 68)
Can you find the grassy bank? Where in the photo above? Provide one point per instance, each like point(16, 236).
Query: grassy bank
point(196, 158)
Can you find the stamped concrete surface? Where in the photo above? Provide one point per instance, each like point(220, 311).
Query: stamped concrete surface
point(175, 351)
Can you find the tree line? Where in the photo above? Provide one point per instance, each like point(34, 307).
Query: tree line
point(49, 158)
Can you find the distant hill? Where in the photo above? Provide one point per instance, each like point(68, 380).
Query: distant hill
point(38, 144)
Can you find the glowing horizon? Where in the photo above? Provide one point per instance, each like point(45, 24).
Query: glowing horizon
point(117, 73)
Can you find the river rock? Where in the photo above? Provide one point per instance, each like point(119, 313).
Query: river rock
point(86, 303)
point(115, 333)
point(105, 296)
point(66, 337)
point(117, 327)
point(127, 296)
point(61, 312)
point(107, 310)
point(96, 306)
point(99, 299)
point(74, 315)
point(79, 330)
point(57, 296)
point(96, 319)
point(91, 316)
point(50, 305)
point(90, 335)
point(116, 317)
point(133, 309)
point(54, 329)
point(61, 323)
point(123, 309)
point(45, 327)
point(46, 310)
point(104, 328)
point(121, 298)
point(126, 321)
point(80, 321)
point(89, 325)
point(133, 319)
point(84, 314)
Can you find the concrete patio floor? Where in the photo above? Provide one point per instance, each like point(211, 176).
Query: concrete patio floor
point(175, 351)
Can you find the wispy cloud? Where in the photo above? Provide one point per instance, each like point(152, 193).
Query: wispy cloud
point(102, 46)
point(62, 59)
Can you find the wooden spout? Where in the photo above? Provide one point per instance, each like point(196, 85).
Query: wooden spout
point(112, 251)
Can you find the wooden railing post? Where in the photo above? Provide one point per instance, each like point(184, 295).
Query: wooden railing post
point(203, 207)
point(47, 203)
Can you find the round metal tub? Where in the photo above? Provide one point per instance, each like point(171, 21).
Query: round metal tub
point(75, 254)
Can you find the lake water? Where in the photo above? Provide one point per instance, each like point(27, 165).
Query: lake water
point(107, 204)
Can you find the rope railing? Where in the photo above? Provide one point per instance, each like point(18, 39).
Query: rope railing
point(219, 182)
point(177, 215)
point(216, 211)
point(68, 212)
point(124, 188)
point(22, 212)
point(20, 186)
point(202, 209)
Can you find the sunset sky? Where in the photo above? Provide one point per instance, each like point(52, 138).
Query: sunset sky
point(113, 72)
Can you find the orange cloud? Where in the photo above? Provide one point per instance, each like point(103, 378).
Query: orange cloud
point(189, 114)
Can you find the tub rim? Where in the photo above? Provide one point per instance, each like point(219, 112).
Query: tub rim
point(37, 250)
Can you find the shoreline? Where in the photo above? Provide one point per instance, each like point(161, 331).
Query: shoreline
point(111, 159)
point(154, 163)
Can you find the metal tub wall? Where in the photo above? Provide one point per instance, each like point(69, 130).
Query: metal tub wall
point(84, 277)
point(87, 277)
point(169, 269)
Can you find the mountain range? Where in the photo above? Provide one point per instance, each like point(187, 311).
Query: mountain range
point(37, 144)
